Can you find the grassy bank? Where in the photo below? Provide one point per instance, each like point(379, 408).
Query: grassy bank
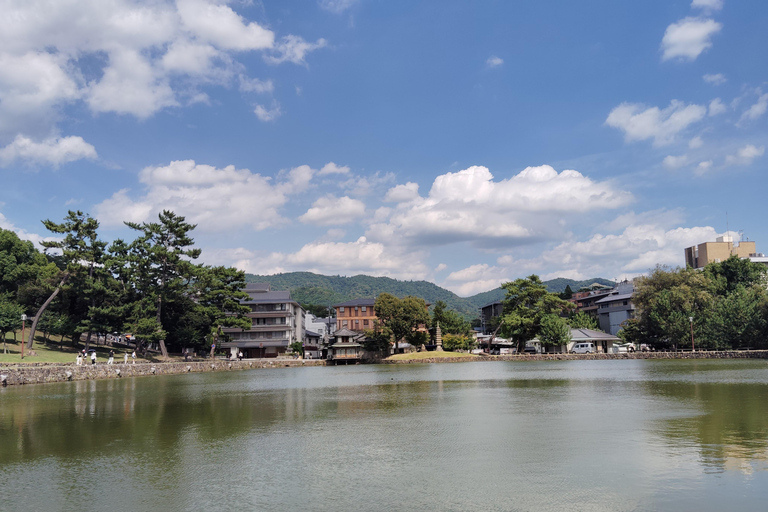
point(54, 351)
point(417, 356)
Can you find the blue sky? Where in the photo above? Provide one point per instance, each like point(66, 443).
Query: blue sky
point(465, 143)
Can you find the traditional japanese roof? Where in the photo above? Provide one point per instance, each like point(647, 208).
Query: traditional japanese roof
point(312, 334)
point(345, 333)
point(350, 344)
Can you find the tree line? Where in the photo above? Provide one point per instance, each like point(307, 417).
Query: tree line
point(150, 287)
point(723, 306)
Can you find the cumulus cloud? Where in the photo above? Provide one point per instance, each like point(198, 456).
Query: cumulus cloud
point(675, 162)
point(745, 155)
point(695, 143)
point(215, 199)
point(756, 110)
point(716, 107)
point(267, 114)
point(403, 193)
point(703, 167)
point(641, 123)
point(344, 258)
point(494, 61)
point(475, 279)
point(717, 79)
point(332, 168)
point(331, 210)
point(688, 38)
point(131, 57)
point(470, 206)
point(53, 151)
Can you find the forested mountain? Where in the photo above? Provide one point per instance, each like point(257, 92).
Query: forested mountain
point(309, 288)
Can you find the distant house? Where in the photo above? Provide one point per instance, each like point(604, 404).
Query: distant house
point(603, 342)
point(346, 347)
point(699, 256)
point(276, 322)
point(488, 313)
point(313, 345)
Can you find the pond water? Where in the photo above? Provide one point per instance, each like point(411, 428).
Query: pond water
point(630, 435)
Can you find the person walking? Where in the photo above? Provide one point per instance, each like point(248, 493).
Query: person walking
point(111, 359)
point(93, 357)
point(79, 359)
point(125, 359)
point(133, 356)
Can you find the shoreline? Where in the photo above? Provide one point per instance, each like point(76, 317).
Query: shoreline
point(41, 373)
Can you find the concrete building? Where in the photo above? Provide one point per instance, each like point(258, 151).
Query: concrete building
point(616, 307)
point(355, 315)
point(276, 322)
point(698, 256)
point(488, 313)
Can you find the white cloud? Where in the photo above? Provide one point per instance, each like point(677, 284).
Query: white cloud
point(362, 186)
point(344, 258)
point(703, 167)
point(745, 155)
point(695, 143)
point(494, 61)
point(53, 151)
point(336, 6)
point(403, 193)
point(330, 210)
point(688, 38)
point(470, 206)
point(717, 79)
point(215, 199)
point(716, 107)
point(265, 114)
point(293, 49)
point(713, 5)
point(475, 279)
point(131, 57)
point(332, 168)
point(756, 110)
point(23, 234)
point(640, 123)
point(675, 162)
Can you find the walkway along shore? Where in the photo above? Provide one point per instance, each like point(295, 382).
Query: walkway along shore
point(37, 373)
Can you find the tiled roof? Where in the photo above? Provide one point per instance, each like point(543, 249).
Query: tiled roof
point(590, 335)
point(612, 298)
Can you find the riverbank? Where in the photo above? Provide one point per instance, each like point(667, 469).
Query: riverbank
point(37, 373)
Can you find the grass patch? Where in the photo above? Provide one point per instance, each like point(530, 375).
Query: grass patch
point(415, 356)
point(51, 352)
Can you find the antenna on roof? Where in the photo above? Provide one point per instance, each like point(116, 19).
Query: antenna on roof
point(741, 235)
point(727, 229)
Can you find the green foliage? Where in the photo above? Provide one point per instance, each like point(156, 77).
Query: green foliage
point(527, 302)
point(450, 321)
point(454, 342)
point(10, 318)
point(582, 320)
point(554, 331)
point(297, 347)
point(400, 316)
point(319, 310)
point(377, 340)
point(567, 293)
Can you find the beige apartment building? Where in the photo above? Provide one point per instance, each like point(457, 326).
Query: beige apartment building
point(723, 248)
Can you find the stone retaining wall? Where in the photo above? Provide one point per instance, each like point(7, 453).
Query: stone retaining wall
point(50, 372)
point(729, 354)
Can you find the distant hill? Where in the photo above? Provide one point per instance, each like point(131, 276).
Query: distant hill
point(309, 288)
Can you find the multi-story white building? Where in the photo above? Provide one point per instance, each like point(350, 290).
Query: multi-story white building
point(276, 322)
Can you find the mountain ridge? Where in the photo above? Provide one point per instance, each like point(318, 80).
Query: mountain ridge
point(319, 289)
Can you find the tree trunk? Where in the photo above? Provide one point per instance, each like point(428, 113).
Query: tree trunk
point(42, 310)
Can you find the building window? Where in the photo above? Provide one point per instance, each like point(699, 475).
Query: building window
point(341, 309)
point(357, 323)
point(365, 322)
point(363, 308)
point(344, 323)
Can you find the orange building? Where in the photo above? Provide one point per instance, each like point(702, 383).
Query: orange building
point(355, 315)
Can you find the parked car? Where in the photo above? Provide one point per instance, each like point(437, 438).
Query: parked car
point(583, 348)
point(530, 350)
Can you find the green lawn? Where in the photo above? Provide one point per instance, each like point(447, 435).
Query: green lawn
point(52, 353)
point(415, 356)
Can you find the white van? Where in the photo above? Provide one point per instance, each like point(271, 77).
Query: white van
point(583, 348)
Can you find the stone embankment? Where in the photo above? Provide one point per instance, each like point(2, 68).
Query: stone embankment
point(36, 373)
point(719, 354)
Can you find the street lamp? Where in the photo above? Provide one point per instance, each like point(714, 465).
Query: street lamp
point(693, 346)
point(23, 325)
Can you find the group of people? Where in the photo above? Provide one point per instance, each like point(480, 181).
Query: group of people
point(82, 357)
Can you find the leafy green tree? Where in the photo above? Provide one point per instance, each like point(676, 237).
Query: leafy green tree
point(450, 321)
point(20, 262)
point(377, 340)
point(400, 316)
point(318, 310)
point(554, 331)
point(297, 347)
point(454, 342)
point(567, 293)
point(734, 272)
point(10, 319)
point(81, 253)
point(526, 303)
point(161, 267)
point(581, 320)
